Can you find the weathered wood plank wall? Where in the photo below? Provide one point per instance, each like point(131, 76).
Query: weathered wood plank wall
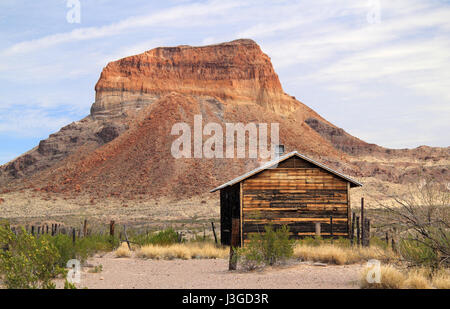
point(229, 209)
point(297, 194)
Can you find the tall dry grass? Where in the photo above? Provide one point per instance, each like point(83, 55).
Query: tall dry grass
point(391, 278)
point(333, 254)
point(122, 251)
point(182, 251)
point(415, 278)
point(441, 280)
point(418, 279)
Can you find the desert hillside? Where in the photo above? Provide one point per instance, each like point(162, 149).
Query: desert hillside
point(121, 151)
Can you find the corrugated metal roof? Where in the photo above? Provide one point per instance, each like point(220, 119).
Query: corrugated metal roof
point(278, 160)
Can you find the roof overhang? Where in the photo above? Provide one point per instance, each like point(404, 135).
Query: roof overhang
point(270, 164)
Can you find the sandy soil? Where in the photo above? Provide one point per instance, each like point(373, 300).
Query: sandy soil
point(122, 273)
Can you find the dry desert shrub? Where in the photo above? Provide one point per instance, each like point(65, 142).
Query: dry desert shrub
point(441, 280)
point(334, 254)
point(422, 217)
point(123, 251)
point(326, 254)
point(418, 279)
point(391, 278)
point(208, 251)
point(415, 278)
point(182, 251)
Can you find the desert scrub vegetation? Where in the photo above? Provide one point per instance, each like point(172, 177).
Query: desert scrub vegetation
point(340, 252)
point(82, 249)
point(392, 277)
point(422, 218)
point(185, 251)
point(123, 251)
point(163, 238)
point(27, 262)
point(268, 248)
point(167, 245)
point(96, 269)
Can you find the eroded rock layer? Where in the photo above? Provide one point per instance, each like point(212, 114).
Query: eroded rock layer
point(237, 72)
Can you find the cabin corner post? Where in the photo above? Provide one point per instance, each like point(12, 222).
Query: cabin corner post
point(349, 211)
point(241, 203)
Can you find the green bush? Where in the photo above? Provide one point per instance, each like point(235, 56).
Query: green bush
point(418, 253)
point(378, 242)
point(311, 241)
point(83, 247)
point(266, 248)
point(342, 242)
point(28, 262)
point(164, 238)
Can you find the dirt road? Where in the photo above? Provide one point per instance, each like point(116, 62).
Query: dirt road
point(134, 273)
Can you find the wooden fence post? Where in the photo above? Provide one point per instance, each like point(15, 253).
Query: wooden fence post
point(318, 229)
point(111, 228)
point(352, 232)
point(73, 235)
point(126, 236)
point(214, 231)
point(362, 221)
point(358, 235)
point(85, 228)
point(331, 228)
point(394, 233)
point(368, 233)
point(363, 236)
point(234, 243)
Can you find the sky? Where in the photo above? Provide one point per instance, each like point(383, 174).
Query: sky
point(380, 69)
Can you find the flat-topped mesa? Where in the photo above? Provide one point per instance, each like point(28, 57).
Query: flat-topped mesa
point(236, 71)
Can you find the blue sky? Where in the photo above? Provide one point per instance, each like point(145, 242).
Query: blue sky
point(378, 69)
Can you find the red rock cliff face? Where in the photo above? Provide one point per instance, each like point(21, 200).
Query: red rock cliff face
point(124, 147)
point(236, 71)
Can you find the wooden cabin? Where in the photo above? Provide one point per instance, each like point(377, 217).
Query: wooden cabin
point(291, 190)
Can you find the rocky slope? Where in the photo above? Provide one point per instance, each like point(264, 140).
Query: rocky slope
point(122, 149)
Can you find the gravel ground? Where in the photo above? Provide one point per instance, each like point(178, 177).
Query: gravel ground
point(135, 273)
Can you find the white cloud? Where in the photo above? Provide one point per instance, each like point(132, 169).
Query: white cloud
point(169, 17)
point(28, 122)
point(325, 51)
